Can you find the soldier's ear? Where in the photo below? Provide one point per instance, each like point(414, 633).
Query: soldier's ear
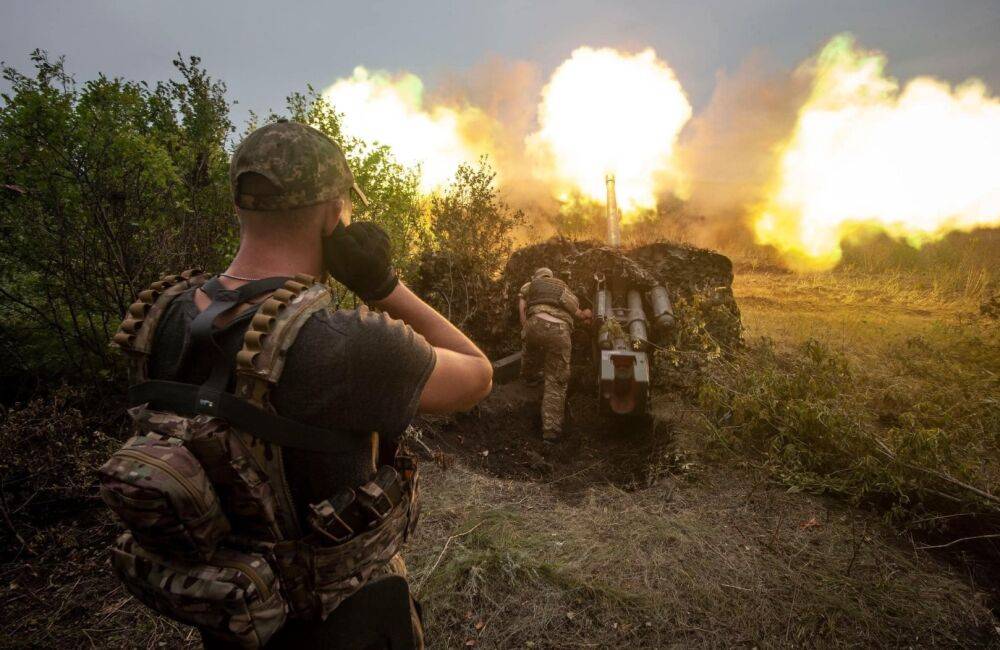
point(335, 212)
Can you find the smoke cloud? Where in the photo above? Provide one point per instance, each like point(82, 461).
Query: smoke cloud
point(731, 149)
point(714, 180)
point(507, 92)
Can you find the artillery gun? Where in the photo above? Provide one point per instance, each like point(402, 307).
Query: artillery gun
point(622, 335)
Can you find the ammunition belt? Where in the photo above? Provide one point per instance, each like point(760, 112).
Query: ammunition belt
point(135, 334)
point(139, 310)
point(263, 322)
point(271, 332)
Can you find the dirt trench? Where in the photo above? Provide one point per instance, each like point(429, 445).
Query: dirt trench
point(502, 436)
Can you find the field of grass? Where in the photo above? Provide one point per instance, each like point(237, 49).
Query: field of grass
point(859, 426)
point(804, 475)
point(876, 391)
point(713, 559)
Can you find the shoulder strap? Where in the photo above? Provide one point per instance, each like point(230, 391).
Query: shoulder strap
point(135, 334)
point(271, 333)
point(223, 300)
point(259, 366)
point(203, 331)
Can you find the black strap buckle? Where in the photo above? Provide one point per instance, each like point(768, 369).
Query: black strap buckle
point(208, 400)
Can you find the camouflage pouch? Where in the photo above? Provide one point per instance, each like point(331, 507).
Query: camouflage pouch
point(246, 495)
point(317, 578)
point(161, 493)
point(235, 597)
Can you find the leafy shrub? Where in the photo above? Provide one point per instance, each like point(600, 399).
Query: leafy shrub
point(472, 237)
point(917, 436)
point(469, 219)
point(106, 186)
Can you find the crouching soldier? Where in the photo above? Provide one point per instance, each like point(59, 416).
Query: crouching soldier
point(263, 495)
point(548, 309)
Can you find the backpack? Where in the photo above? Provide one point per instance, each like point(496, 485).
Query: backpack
point(212, 536)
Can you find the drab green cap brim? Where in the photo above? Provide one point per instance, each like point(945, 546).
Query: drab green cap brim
point(361, 195)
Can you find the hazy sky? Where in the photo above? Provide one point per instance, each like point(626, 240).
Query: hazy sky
point(264, 50)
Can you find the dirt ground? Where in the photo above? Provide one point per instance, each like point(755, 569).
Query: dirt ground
point(640, 535)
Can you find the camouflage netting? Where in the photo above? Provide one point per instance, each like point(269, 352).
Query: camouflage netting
point(699, 282)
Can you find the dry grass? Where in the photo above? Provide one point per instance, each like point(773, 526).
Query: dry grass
point(709, 560)
point(876, 393)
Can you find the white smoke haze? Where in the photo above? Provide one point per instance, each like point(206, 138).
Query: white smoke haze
point(507, 92)
point(729, 152)
point(915, 161)
point(379, 107)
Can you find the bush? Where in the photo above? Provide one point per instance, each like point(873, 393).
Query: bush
point(472, 230)
point(106, 186)
point(919, 436)
point(471, 222)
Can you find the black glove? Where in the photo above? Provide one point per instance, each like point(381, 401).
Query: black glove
point(360, 257)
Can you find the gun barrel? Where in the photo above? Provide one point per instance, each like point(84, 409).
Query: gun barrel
point(614, 231)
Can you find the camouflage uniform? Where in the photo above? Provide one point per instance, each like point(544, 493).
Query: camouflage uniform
point(547, 343)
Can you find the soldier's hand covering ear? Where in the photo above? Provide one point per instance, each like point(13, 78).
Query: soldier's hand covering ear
point(360, 257)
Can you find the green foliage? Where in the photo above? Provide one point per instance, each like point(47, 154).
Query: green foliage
point(919, 435)
point(690, 349)
point(471, 222)
point(106, 186)
point(472, 235)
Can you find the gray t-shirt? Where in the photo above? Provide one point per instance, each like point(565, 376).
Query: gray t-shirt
point(349, 370)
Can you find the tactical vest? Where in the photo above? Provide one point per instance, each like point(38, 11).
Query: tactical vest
point(548, 291)
point(213, 538)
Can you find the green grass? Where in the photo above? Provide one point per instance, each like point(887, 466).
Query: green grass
point(868, 394)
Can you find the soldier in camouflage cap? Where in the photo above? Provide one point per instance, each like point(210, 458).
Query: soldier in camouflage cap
point(357, 375)
point(287, 165)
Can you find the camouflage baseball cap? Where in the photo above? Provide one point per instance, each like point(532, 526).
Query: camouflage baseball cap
point(301, 167)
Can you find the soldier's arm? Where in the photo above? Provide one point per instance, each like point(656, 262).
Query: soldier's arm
point(522, 308)
point(462, 374)
point(572, 305)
